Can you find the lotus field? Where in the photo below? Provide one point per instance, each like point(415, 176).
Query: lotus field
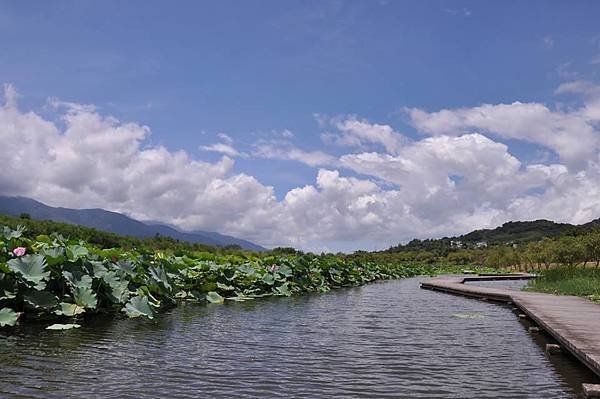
point(57, 280)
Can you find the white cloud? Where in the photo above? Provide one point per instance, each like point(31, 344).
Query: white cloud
point(392, 189)
point(573, 134)
point(353, 132)
point(287, 134)
point(225, 147)
point(276, 149)
point(221, 148)
point(225, 138)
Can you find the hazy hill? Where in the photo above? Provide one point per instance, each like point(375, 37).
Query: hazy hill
point(114, 222)
point(508, 233)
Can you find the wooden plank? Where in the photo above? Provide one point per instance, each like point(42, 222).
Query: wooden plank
point(572, 321)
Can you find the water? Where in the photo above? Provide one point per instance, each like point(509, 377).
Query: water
point(388, 339)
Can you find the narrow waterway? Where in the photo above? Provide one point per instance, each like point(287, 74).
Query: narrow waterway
point(388, 339)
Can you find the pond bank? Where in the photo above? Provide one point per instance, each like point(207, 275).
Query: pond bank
point(572, 321)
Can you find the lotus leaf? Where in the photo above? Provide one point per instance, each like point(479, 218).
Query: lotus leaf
point(213, 297)
point(126, 267)
point(99, 269)
point(54, 255)
point(138, 306)
point(284, 290)
point(158, 274)
point(285, 270)
point(8, 317)
point(85, 297)
point(62, 326)
point(32, 268)
point(225, 287)
point(75, 252)
point(9, 234)
point(268, 279)
point(41, 299)
point(119, 288)
point(69, 309)
point(84, 280)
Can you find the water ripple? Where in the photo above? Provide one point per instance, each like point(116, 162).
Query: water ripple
point(385, 340)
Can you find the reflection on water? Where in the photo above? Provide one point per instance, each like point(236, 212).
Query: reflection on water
point(388, 339)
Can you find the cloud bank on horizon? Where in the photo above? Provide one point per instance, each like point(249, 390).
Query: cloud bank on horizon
point(385, 187)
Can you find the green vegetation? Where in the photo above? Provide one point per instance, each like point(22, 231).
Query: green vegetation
point(511, 233)
point(62, 273)
point(578, 281)
point(103, 239)
point(50, 277)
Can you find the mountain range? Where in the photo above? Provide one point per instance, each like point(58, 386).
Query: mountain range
point(114, 222)
point(507, 234)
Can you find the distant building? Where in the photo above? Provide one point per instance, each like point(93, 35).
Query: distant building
point(481, 244)
point(456, 244)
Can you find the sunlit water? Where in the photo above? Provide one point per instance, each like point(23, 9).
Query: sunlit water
point(388, 339)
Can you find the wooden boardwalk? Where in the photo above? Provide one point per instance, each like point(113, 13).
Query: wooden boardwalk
point(572, 321)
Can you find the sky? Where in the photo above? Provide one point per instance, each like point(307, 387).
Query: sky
point(323, 125)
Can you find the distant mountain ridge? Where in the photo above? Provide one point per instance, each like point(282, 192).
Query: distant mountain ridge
point(508, 233)
point(114, 222)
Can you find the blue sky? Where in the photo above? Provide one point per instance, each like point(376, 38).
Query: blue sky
point(252, 70)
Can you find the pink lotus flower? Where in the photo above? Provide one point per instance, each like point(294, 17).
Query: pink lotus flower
point(19, 251)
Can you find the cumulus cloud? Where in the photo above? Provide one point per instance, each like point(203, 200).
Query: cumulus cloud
point(573, 134)
point(388, 189)
point(98, 161)
point(355, 132)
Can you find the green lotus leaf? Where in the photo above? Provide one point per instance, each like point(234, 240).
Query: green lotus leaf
point(158, 274)
point(268, 279)
point(207, 287)
point(225, 287)
point(229, 274)
point(99, 269)
point(126, 267)
point(85, 297)
point(284, 290)
point(44, 238)
point(138, 306)
point(32, 268)
point(247, 269)
point(239, 298)
point(8, 317)
point(62, 326)
point(119, 289)
point(9, 233)
point(41, 299)
point(54, 255)
point(75, 252)
point(213, 297)
point(83, 281)
point(69, 309)
point(285, 271)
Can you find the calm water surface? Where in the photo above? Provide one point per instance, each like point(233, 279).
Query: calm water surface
point(388, 339)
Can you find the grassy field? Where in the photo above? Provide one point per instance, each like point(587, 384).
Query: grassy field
point(576, 281)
